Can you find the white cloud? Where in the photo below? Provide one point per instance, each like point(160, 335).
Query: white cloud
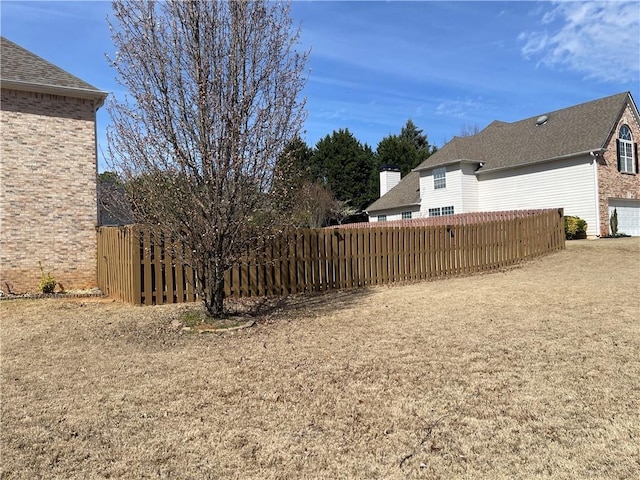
point(459, 108)
point(598, 39)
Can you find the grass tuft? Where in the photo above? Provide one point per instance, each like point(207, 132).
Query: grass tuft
point(197, 320)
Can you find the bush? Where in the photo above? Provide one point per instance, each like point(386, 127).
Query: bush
point(574, 227)
point(47, 282)
point(614, 222)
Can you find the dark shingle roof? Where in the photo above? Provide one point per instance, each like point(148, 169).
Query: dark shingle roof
point(578, 129)
point(21, 68)
point(405, 193)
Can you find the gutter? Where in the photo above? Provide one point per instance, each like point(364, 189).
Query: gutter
point(399, 208)
point(74, 92)
point(546, 160)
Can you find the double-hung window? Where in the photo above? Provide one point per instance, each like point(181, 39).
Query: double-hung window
point(627, 150)
point(439, 178)
point(406, 215)
point(382, 218)
point(437, 212)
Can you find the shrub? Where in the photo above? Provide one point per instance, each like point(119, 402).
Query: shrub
point(614, 222)
point(47, 282)
point(574, 227)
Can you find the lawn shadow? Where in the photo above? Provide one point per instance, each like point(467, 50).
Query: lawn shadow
point(308, 303)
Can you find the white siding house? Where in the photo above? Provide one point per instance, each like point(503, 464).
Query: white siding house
point(404, 213)
point(567, 183)
point(583, 159)
point(460, 189)
point(470, 188)
point(443, 191)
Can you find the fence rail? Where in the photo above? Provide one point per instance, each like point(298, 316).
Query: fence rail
point(139, 267)
point(457, 219)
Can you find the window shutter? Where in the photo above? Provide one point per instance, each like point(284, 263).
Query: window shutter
point(635, 155)
point(618, 152)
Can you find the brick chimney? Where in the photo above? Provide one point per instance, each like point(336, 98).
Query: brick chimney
point(389, 178)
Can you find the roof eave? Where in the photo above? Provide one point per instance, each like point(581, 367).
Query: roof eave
point(74, 92)
point(545, 160)
point(396, 207)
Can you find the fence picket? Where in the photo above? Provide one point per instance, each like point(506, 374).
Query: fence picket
point(168, 261)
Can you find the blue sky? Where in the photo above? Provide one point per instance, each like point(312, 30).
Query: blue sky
point(373, 65)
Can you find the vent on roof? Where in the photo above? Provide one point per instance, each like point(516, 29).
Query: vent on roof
point(542, 120)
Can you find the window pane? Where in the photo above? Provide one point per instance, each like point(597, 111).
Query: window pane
point(625, 133)
point(439, 178)
point(626, 156)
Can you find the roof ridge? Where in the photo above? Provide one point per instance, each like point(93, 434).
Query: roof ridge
point(572, 107)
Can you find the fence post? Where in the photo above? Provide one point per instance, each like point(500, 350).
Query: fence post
point(136, 283)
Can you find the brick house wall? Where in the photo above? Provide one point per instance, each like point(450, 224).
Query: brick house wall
point(47, 190)
point(612, 183)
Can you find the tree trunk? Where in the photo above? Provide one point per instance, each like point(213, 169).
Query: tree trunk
point(213, 293)
point(215, 305)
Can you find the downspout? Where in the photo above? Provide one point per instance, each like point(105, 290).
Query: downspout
point(594, 155)
point(97, 183)
point(97, 103)
point(95, 156)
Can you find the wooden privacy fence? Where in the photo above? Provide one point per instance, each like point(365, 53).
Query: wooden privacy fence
point(138, 267)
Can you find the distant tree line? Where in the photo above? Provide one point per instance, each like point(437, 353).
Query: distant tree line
point(331, 183)
point(336, 180)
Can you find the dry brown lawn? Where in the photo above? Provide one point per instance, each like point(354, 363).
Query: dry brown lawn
point(528, 373)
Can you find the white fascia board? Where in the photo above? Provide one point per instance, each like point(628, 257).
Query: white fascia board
point(56, 90)
point(545, 160)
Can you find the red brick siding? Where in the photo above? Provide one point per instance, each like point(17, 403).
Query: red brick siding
point(47, 190)
point(612, 183)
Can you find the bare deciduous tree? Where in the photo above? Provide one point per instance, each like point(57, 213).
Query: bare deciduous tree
point(314, 205)
point(212, 99)
point(469, 130)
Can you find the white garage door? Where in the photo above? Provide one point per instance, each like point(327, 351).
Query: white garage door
point(628, 215)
